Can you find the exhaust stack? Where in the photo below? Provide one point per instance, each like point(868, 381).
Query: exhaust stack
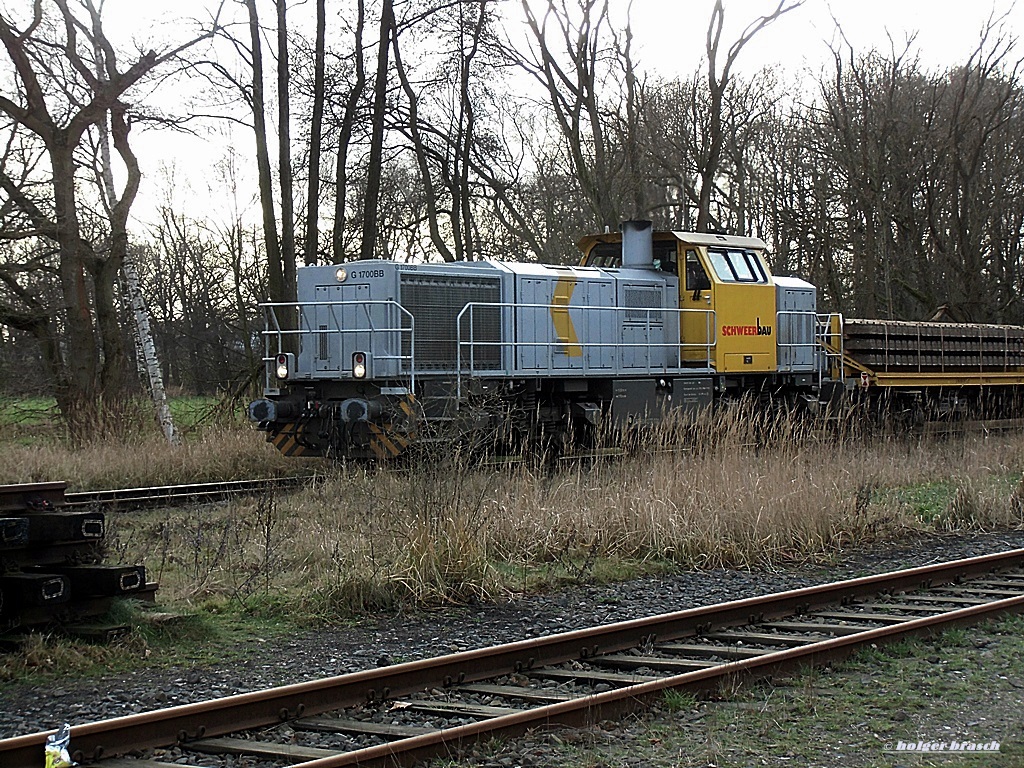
point(637, 244)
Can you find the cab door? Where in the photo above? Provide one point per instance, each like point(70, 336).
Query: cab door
point(697, 300)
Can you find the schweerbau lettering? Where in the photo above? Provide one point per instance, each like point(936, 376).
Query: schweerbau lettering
point(747, 330)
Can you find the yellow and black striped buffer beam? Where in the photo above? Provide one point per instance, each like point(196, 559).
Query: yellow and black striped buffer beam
point(288, 440)
point(392, 438)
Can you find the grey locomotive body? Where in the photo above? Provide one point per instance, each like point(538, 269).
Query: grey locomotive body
point(377, 355)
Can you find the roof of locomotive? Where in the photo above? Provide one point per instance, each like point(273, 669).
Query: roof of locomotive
point(690, 238)
point(363, 270)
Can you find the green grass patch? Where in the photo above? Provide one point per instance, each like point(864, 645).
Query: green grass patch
point(927, 501)
point(26, 421)
point(37, 420)
point(957, 502)
point(27, 411)
point(188, 411)
point(578, 569)
point(678, 701)
point(157, 639)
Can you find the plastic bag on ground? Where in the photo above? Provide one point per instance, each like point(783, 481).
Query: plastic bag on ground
point(57, 755)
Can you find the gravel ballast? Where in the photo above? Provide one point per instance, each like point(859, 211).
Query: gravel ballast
point(337, 650)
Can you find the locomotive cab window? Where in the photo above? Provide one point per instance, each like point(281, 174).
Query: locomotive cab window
point(696, 276)
point(665, 256)
point(609, 256)
point(737, 266)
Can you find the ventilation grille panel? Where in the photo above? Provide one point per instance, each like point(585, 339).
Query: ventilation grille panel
point(435, 302)
point(641, 299)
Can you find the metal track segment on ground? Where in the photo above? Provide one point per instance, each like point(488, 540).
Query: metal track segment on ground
point(197, 492)
point(52, 572)
point(193, 722)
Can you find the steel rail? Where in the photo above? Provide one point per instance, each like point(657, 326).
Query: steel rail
point(200, 492)
point(596, 707)
point(257, 709)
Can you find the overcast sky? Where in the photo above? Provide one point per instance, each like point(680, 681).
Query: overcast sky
point(669, 37)
point(671, 33)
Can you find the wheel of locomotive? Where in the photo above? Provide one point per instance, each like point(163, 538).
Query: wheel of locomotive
point(854, 416)
point(547, 445)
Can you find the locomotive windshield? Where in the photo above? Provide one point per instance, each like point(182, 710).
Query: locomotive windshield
point(737, 266)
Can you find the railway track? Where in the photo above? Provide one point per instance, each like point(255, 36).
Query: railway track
point(399, 714)
point(134, 498)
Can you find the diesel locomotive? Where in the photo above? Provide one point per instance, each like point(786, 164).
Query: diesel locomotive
point(379, 356)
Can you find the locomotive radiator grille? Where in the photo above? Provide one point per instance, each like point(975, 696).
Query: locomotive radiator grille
point(435, 302)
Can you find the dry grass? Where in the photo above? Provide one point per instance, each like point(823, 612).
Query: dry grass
point(210, 455)
point(442, 531)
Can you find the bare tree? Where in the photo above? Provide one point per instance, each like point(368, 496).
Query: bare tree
point(471, 29)
point(345, 138)
point(573, 78)
point(206, 277)
point(378, 119)
point(58, 106)
point(898, 186)
point(443, 145)
point(146, 353)
point(277, 286)
point(714, 138)
point(309, 253)
point(985, 105)
point(284, 155)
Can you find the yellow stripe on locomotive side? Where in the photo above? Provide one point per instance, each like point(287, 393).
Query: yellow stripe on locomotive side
point(564, 329)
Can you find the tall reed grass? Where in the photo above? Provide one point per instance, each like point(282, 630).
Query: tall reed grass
point(208, 455)
point(722, 491)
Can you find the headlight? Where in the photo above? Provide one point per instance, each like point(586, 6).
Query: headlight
point(359, 365)
point(341, 275)
point(284, 365)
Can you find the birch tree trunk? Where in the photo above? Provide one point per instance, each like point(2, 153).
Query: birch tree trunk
point(145, 349)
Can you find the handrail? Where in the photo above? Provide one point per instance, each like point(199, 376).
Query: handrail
point(305, 327)
point(830, 334)
point(513, 347)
